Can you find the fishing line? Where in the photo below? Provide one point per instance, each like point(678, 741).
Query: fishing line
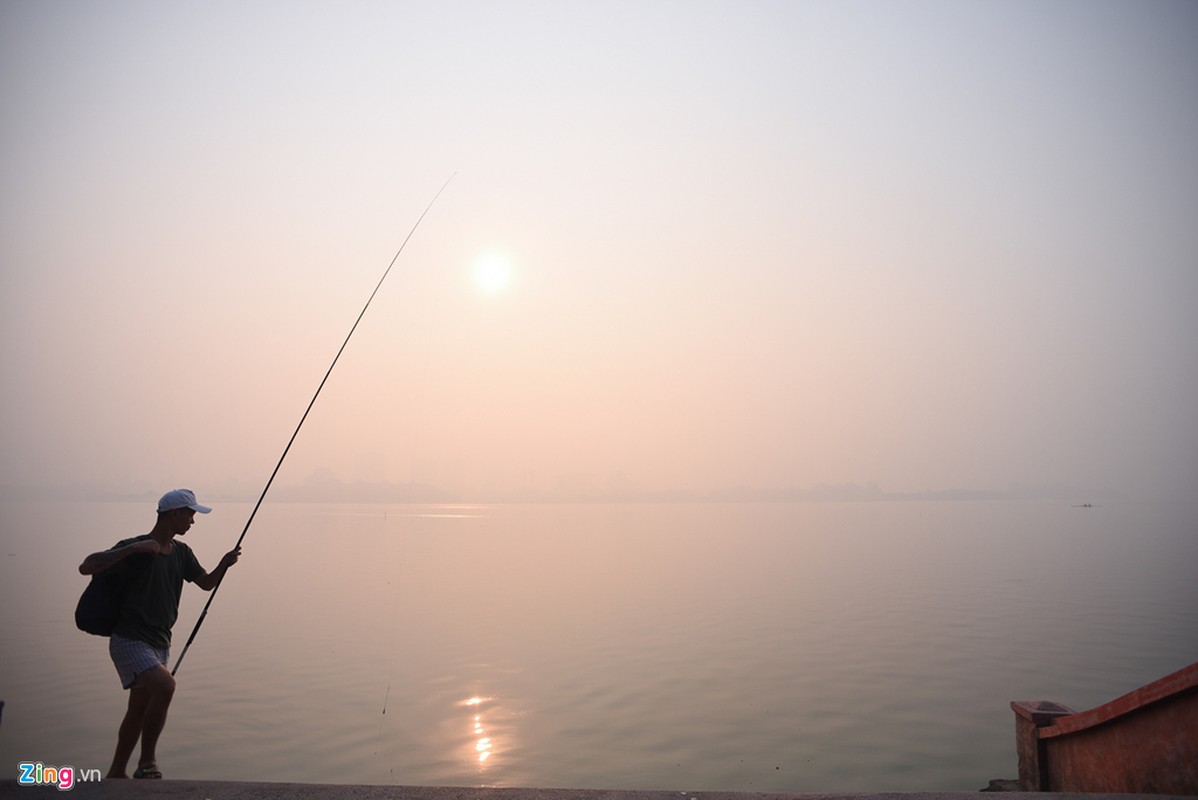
point(312, 402)
point(391, 648)
point(420, 405)
point(378, 739)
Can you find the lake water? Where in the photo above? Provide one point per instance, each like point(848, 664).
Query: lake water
point(811, 647)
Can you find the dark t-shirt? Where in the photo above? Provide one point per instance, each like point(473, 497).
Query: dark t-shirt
point(155, 586)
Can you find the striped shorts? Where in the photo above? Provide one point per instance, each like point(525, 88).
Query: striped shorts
point(131, 658)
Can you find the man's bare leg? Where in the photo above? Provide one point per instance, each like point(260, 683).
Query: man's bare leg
point(144, 719)
point(161, 687)
point(129, 732)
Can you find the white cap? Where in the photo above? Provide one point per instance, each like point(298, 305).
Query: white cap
point(181, 498)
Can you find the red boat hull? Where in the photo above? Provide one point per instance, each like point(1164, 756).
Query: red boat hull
point(1144, 742)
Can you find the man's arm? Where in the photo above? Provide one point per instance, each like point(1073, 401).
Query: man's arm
point(210, 580)
point(105, 559)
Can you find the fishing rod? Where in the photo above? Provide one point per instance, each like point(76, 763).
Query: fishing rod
point(312, 402)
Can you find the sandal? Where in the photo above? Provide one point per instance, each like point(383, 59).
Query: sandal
point(148, 771)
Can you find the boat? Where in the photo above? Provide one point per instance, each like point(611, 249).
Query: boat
point(1145, 742)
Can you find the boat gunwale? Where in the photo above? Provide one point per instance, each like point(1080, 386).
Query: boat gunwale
point(1177, 683)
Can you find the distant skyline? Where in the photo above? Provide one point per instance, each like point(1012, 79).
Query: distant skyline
point(324, 486)
point(690, 246)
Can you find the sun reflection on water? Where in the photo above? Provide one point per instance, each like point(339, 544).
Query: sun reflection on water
point(484, 748)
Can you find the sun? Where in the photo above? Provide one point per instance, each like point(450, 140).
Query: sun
point(492, 272)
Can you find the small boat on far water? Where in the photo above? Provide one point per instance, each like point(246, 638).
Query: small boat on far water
point(1143, 742)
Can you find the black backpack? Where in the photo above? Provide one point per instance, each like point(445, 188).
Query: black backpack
point(100, 604)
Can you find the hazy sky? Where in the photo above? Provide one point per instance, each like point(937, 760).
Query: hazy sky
point(927, 244)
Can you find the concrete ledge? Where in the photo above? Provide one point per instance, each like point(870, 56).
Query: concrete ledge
point(229, 790)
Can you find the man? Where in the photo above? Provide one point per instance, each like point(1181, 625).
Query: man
point(140, 643)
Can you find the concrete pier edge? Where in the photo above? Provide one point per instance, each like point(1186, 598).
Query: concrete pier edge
point(237, 790)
